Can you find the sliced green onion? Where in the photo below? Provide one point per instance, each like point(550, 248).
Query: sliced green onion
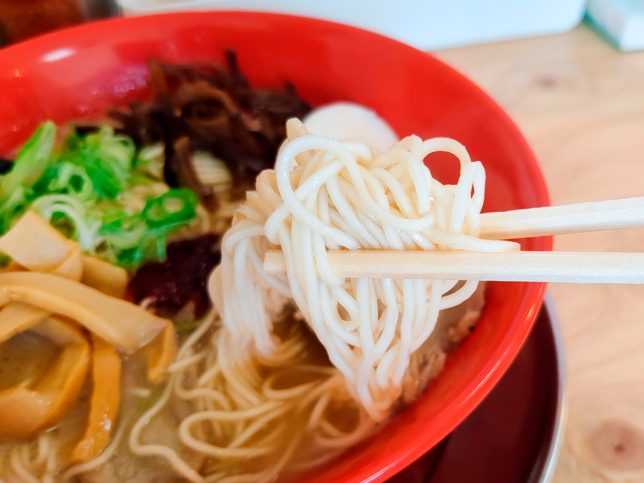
point(131, 257)
point(124, 233)
point(66, 177)
point(97, 191)
point(13, 207)
point(114, 148)
point(156, 245)
point(175, 207)
point(31, 162)
point(72, 212)
point(108, 178)
point(107, 158)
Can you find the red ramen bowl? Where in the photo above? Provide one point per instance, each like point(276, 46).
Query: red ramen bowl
point(81, 72)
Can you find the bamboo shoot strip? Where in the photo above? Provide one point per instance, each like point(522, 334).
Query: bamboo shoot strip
point(564, 267)
point(573, 218)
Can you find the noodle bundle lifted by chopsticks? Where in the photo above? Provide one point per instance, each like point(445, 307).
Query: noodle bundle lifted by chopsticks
point(339, 195)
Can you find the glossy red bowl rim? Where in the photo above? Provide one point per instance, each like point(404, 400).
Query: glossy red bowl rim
point(488, 374)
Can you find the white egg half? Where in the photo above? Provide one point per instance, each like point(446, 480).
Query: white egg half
point(350, 121)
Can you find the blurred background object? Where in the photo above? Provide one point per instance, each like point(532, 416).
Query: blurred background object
point(621, 22)
point(21, 19)
point(425, 24)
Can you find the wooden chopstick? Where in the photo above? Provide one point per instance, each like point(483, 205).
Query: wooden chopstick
point(573, 218)
point(565, 267)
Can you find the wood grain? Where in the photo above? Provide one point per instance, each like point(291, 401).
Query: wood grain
point(580, 103)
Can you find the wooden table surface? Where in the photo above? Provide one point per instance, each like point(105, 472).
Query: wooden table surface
point(580, 103)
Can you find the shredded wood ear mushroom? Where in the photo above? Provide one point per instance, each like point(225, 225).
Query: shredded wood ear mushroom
point(51, 289)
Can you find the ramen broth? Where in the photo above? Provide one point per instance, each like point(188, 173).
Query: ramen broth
point(138, 395)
